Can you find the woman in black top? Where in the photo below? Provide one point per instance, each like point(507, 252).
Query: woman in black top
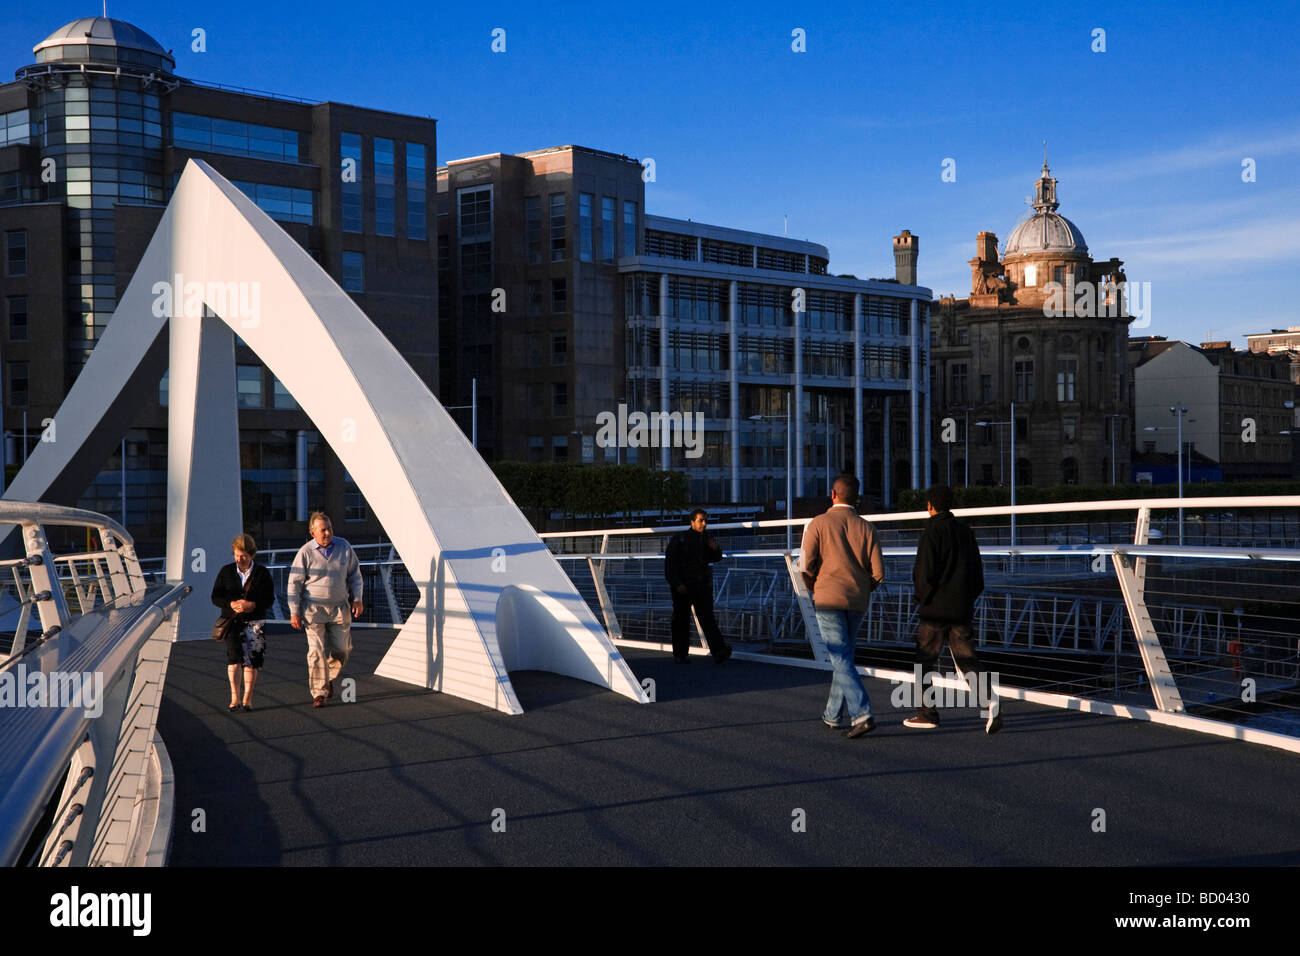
point(243, 590)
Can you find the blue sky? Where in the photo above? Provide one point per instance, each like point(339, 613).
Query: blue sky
point(847, 139)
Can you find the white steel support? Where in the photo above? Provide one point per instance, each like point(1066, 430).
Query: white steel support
point(491, 596)
point(857, 391)
point(733, 385)
point(806, 608)
point(1163, 687)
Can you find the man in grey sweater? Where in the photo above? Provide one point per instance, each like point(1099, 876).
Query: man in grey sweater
point(325, 595)
point(842, 564)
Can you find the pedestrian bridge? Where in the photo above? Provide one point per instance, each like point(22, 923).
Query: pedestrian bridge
point(1146, 677)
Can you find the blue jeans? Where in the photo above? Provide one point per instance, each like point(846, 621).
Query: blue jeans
point(840, 634)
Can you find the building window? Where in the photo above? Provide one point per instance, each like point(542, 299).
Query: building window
point(354, 503)
point(1022, 429)
point(1070, 471)
point(350, 188)
point(557, 227)
point(1024, 472)
point(606, 229)
point(533, 297)
point(17, 309)
point(280, 397)
point(584, 226)
point(282, 203)
point(1024, 380)
point(533, 229)
point(354, 272)
point(248, 385)
point(16, 253)
point(385, 188)
point(417, 192)
point(475, 211)
point(18, 384)
point(1068, 428)
point(1066, 370)
point(1031, 275)
point(212, 135)
point(629, 227)
point(963, 336)
point(986, 389)
point(559, 398)
point(559, 349)
point(559, 295)
point(957, 383)
point(560, 447)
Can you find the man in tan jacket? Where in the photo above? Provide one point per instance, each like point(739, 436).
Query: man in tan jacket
point(842, 564)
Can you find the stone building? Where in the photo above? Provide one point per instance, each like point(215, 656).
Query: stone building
point(1044, 330)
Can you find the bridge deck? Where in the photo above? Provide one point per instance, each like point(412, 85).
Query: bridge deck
point(710, 774)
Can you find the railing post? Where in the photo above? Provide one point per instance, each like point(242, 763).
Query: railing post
point(47, 590)
point(806, 608)
point(597, 569)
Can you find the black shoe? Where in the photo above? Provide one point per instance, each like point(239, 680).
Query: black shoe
point(923, 720)
point(725, 656)
point(248, 708)
point(861, 727)
point(234, 707)
point(682, 658)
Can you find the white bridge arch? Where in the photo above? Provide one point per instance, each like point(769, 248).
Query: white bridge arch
point(492, 597)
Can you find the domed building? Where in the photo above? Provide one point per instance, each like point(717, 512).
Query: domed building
point(1044, 331)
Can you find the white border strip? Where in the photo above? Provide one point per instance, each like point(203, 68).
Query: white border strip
point(1201, 725)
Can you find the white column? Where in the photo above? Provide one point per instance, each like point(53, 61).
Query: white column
point(203, 503)
point(914, 393)
point(886, 472)
point(733, 384)
point(664, 458)
point(928, 384)
point(857, 390)
point(797, 407)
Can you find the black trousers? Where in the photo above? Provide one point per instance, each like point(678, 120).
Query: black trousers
point(701, 599)
point(930, 638)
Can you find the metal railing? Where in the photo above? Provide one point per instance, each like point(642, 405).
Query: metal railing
point(1091, 606)
point(81, 676)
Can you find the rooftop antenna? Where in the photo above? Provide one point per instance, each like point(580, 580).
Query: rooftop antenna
point(785, 228)
point(105, 9)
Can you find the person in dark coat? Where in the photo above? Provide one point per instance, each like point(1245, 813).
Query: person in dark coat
point(243, 591)
point(948, 576)
point(688, 566)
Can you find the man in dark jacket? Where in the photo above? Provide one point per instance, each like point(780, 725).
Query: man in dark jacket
point(688, 566)
point(948, 577)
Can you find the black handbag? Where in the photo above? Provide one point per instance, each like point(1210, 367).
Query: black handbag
point(223, 626)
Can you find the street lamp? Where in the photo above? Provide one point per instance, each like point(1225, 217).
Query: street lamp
point(788, 466)
point(1178, 410)
point(1012, 423)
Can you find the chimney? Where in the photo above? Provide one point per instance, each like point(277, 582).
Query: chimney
point(906, 247)
point(986, 247)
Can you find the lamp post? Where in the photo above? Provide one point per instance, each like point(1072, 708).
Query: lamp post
point(789, 470)
point(1012, 423)
point(1178, 410)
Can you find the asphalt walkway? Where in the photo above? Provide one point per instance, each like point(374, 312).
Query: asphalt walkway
point(730, 765)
